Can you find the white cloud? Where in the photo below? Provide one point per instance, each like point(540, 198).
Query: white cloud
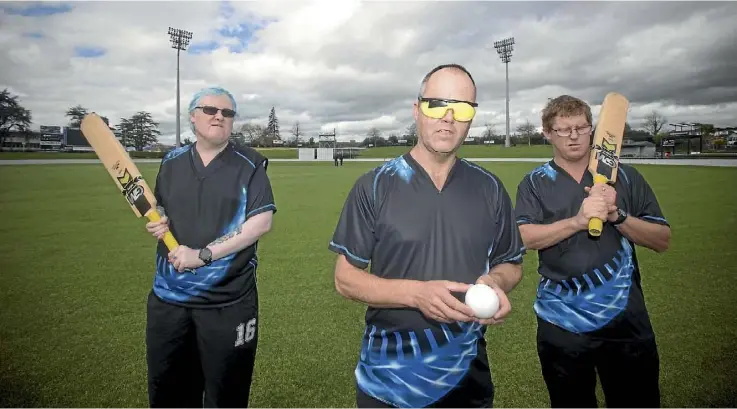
point(354, 65)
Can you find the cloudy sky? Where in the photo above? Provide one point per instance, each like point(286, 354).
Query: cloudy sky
point(354, 65)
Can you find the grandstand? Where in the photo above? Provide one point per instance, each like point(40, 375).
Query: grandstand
point(50, 139)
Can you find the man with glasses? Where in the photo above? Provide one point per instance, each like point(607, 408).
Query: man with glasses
point(430, 224)
point(202, 322)
point(591, 314)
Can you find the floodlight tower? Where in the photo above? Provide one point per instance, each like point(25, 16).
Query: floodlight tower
point(179, 40)
point(504, 48)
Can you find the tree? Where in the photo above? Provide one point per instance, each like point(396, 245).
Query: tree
point(527, 129)
point(140, 130)
point(659, 137)
point(12, 115)
point(272, 129)
point(654, 122)
point(707, 134)
point(76, 113)
point(411, 135)
point(187, 141)
point(489, 132)
point(296, 133)
point(706, 130)
point(252, 134)
point(393, 139)
point(374, 136)
point(126, 132)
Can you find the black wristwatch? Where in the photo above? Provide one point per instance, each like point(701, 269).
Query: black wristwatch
point(206, 256)
point(622, 217)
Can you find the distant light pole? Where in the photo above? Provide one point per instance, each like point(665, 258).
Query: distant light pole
point(179, 40)
point(504, 48)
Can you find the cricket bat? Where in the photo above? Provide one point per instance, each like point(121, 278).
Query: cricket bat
point(607, 145)
point(124, 172)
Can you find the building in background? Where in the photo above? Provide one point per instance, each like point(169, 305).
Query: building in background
point(637, 149)
point(51, 138)
point(18, 141)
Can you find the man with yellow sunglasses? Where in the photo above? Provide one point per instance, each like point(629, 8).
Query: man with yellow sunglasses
point(430, 225)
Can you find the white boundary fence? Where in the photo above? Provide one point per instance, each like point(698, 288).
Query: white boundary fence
point(314, 154)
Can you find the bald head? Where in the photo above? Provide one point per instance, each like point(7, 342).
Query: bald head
point(455, 73)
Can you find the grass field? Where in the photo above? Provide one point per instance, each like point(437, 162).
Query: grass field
point(77, 267)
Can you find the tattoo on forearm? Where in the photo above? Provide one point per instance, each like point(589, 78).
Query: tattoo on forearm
point(221, 239)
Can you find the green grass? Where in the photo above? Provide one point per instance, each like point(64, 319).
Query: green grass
point(76, 270)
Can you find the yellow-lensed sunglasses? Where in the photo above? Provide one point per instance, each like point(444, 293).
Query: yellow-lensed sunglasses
point(463, 111)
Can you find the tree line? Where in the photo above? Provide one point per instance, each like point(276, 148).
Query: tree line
point(141, 130)
point(138, 131)
point(525, 133)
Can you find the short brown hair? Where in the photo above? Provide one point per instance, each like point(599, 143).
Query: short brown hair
point(564, 105)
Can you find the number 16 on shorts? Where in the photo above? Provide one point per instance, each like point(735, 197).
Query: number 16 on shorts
point(245, 332)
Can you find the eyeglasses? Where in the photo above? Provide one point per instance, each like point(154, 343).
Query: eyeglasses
point(463, 111)
point(581, 130)
point(210, 110)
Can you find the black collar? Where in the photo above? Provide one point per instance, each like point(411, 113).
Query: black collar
point(420, 170)
point(586, 180)
point(217, 162)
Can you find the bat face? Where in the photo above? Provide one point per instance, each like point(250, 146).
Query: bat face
point(118, 164)
point(606, 157)
point(608, 138)
point(133, 189)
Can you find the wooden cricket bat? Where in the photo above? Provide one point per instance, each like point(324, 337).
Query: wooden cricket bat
point(123, 171)
point(607, 145)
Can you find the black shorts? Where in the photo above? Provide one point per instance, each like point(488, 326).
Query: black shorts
point(628, 369)
point(475, 391)
point(200, 356)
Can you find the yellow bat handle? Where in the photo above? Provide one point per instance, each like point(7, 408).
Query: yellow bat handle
point(596, 225)
point(169, 240)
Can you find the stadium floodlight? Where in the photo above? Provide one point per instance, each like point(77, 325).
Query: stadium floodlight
point(179, 40)
point(504, 48)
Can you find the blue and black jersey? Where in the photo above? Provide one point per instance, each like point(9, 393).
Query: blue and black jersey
point(204, 204)
point(588, 285)
point(398, 223)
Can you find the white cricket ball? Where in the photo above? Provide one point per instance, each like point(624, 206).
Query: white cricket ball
point(483, 300)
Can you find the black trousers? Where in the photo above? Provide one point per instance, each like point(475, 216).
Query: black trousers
point(200, 357)
point(476, 390)
point(629, 370)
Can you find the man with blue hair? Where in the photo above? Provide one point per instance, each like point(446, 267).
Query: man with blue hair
point(202, 313)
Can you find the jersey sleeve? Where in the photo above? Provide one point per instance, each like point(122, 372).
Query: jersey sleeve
point(644, 203)
point(508, 246)
point(527, 209)
point(260, 197)
point(354, 234)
